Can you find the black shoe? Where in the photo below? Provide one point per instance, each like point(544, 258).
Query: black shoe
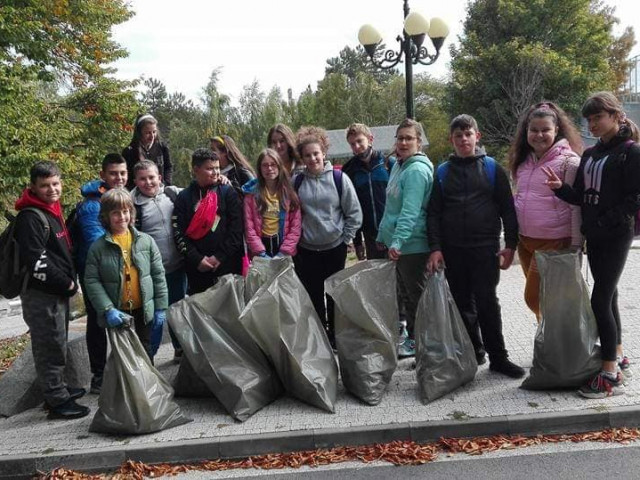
point(68, 410)
point(508, 368)
point(74, 394)
point(96, 384)
point(481, 358)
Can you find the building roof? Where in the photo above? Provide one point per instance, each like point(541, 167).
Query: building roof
point(383, 139)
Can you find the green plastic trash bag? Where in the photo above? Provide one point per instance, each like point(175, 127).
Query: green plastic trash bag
point(565, 354)
point(135, 398)
point(445, 359)
point(366, 326)
point(281, 319)
point(221, 352)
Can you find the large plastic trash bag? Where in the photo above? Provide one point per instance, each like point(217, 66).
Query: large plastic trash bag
point(188, 384)
point(135, 398)
point(281, 319)
point(366, 323)
point(221, 352)
point(445, 358)
point(565, 354)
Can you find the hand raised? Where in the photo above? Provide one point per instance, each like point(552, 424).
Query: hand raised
point(552, 180)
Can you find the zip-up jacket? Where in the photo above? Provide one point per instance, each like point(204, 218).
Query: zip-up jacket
point(49, 264)
point(468, 211)
point(158, 154)
point(370, 180)
point(153, 216)
point(104, 275)
point(88, 219)
point(404, 223)
point(607, 188)
point(225, 242)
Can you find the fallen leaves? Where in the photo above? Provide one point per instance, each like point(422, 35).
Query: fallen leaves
point(397, 453)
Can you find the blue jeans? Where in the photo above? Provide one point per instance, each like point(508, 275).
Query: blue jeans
point(177, 286)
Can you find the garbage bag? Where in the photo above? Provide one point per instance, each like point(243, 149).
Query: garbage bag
point(187, 383)
point(281, 319)
point(366, 326)
point(565, 354)
point(135, 398)
point(445, 359)
point(221, 352)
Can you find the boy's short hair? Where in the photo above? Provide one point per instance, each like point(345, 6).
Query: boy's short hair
point(144, 165)
point(358, 128)
point(201, 155)
point(110, 159)
point(43, 169)
point(116, 199)
point(463, 122)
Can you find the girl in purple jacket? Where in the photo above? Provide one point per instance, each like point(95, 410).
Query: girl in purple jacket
point(545, 137)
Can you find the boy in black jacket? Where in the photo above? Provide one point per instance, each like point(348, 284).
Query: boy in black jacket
point(207, 224)
point(46, 252)
point(469, 202)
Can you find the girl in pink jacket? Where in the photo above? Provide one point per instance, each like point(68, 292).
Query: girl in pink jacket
point(545, 137)
point(272, 215)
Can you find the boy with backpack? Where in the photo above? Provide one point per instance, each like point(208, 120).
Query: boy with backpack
point(44, 247)
point(86, 228)
point(470, 202)
point(153, 202)
point(368, 170)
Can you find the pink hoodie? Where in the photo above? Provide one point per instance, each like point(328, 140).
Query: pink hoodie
point(541, 214)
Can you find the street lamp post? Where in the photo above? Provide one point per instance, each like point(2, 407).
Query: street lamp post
point(416, 27)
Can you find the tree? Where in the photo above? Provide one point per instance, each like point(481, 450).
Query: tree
point(353, 61)
point(516, 52)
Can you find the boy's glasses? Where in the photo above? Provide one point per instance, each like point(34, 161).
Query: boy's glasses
point(405, 139)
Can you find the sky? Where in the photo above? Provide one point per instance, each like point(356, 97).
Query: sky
point(282, 43)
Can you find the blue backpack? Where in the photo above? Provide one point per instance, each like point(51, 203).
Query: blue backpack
point(488, 163)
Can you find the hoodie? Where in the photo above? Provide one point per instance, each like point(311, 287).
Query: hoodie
point(49, 262)
point(327, 219)
point(404, 224)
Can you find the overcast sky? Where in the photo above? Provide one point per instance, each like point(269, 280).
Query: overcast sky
point(278, 42)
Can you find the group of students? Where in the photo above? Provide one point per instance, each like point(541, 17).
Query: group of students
point(136, 252)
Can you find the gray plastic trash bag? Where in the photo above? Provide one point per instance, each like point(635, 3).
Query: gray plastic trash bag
point(281, 319)
point(445, 359)
point(135, 398)
point(221, 352)
point(565, 354)
point(366, 325)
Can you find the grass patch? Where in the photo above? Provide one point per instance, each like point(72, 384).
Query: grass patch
point(10, 349)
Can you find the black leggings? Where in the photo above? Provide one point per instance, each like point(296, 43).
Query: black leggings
point(606, 260)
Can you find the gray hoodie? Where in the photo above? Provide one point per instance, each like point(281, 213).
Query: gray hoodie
point(327, 220)
point(153, 216)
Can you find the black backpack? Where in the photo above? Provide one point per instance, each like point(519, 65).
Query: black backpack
point(13, 276)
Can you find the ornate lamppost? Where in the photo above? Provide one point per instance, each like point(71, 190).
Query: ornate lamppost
point(416, 28)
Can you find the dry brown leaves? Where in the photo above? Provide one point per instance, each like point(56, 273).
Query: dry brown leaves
point(10, 349)
point(398, 453)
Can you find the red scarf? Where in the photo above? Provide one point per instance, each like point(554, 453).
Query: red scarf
point(203, 218)
point(29, 199)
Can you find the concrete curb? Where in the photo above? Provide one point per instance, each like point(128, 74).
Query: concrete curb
point(189, 451)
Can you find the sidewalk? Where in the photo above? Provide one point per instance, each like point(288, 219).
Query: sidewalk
point(489, 405)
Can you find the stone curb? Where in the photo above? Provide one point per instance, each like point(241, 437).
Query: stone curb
point(188, 451)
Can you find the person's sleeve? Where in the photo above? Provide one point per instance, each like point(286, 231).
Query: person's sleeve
point(572, 194)
point(180, 224)
point(167, 175)
point(30, 235)
point(94, 289)
point(350, 209)
point(576, 212)
point(292, 236)
point(90, 225)
point(232, 243)
point(254, 238)
point(434, 217)
point(160, 291)
point(506, 208)
point(416, 185)
point(631, 188)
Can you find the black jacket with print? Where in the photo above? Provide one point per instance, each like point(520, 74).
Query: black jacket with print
point(607, 187)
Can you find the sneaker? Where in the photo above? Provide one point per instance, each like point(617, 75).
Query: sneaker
point(407, 349)
point(481, 358)
point(508, 368)
point(74, 394)
point(68, 410)
point(601, 386)
point(96, 384)
point(625, 367)
point(177, 355)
